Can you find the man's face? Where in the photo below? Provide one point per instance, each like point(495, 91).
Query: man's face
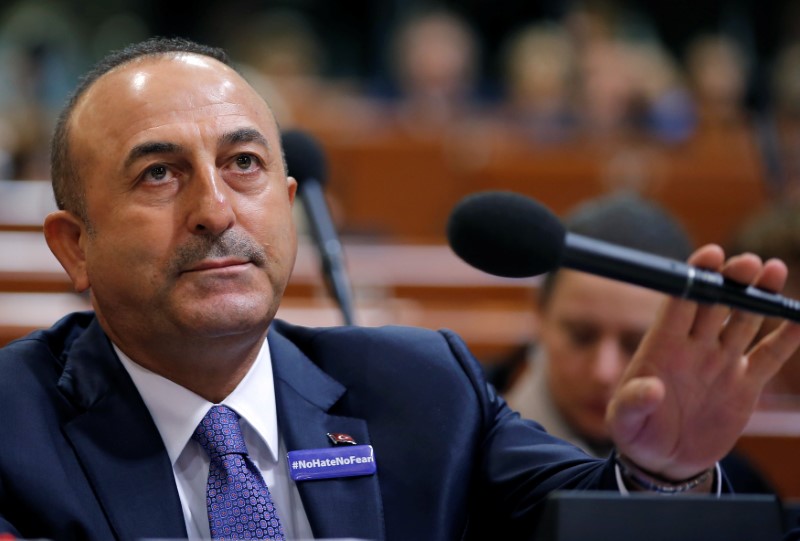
point(189, 228)
point(590, 328)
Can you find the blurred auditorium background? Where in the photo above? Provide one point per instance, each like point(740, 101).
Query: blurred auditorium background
point(695, 105)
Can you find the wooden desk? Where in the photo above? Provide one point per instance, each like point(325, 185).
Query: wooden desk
point(24, 204)
point(26, 264)
point(772, 442)
point(490, 330)
point(21, 313)
point(397, 187)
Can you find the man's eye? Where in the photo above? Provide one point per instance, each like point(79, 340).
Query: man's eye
point(244, 161)
point(630, 342)
point(157, 172)
point(582, 336)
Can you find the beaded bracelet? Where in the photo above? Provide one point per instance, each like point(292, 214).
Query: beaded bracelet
point(654, 483)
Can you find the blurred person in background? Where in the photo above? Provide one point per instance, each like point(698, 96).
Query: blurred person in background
point(633, 88)
point(607, 90)
point(666, 106)
point(285, 59)
point(435, 64)
point(539, 70)
point(627, 84)
point(41, 55)
point(605, 84)
point(590, 326)
point(281, 47)
point(718, 71)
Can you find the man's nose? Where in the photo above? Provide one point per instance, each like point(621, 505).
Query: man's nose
point(211, 211)
point(609, 362)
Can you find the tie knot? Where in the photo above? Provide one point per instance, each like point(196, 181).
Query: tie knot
point(219, 433)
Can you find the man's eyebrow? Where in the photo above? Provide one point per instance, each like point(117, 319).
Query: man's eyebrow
point(152, 147)
point(243, 135)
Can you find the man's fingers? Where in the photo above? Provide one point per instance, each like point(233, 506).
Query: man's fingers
point(773, 276)
point(708, 321)
point(679, 315)
point(709, 256)
point(709, 318)
point(743, 326)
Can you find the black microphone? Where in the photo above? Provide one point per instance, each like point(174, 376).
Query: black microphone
point(507, 234)
point(305, 161)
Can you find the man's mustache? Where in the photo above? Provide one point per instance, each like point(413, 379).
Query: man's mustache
point(229, 244)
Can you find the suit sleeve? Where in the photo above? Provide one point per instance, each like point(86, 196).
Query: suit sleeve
point(520, 463)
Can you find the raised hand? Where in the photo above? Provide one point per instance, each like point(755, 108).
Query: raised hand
point(695, 380)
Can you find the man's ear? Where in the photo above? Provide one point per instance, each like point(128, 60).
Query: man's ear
point(291, 184)
point(66, 235)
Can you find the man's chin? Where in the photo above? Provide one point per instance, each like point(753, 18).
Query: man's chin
point(226, 316)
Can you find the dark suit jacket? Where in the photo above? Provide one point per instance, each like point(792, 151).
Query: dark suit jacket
point(82, 459)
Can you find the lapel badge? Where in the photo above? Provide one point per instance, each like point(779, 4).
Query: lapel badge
point(331, 462)
point(341, 439)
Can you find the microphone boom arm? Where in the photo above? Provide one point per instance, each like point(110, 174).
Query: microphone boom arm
point(329, 248)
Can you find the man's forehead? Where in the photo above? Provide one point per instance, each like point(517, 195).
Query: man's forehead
point(127, 96)
point(137, 73)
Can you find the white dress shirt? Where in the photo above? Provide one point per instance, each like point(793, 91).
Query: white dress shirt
point(177, 411)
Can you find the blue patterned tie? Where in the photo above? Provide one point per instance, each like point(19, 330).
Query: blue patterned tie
point(239, 503)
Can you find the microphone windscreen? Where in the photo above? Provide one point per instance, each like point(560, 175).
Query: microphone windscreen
point(506, 234)
point(304, 157)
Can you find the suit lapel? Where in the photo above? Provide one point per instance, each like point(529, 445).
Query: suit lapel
point(341, 507)
point(118, 444)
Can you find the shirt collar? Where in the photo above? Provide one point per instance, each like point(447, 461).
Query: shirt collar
point(177, 411)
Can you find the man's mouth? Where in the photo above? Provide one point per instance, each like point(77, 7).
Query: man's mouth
point(214, 264)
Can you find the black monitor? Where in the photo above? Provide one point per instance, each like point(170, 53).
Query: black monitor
point(588, 516)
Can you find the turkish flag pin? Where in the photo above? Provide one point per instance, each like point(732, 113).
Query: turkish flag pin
point(341, 439)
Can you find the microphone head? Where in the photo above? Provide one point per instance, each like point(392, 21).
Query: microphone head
point(304, 157)
point(506, 234)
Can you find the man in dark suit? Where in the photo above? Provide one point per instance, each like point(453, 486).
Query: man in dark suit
point(176, 216)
